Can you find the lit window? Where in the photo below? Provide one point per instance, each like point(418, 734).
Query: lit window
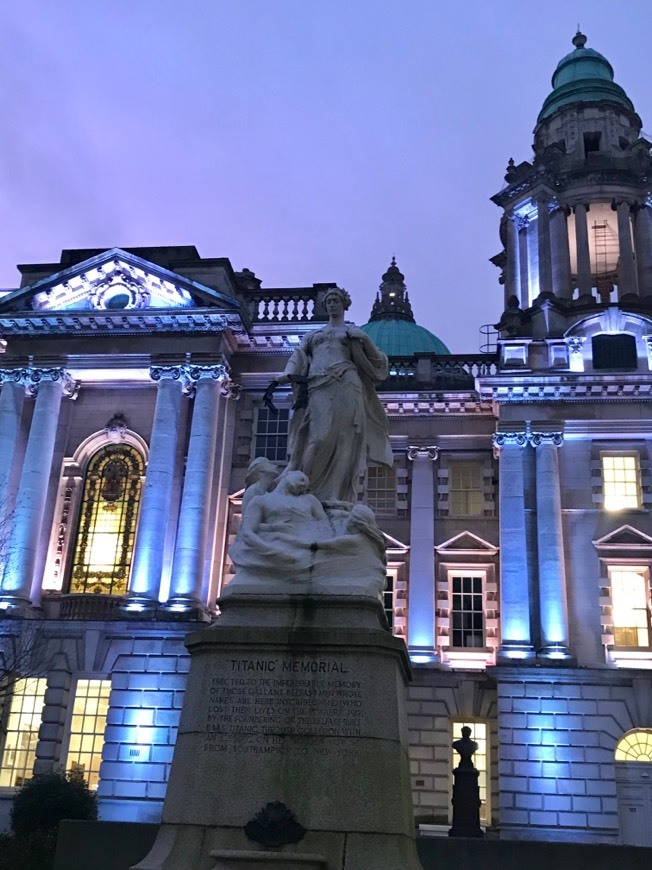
point(467, 610)
point(380, 489)
point(107, 525)
point(635, 746)
point(465, 495)
point(272, 434)
point(630, 606)
point(621, 478)
point(388, 599)
point(480, 759)
point(87, 729)
point(21, 734)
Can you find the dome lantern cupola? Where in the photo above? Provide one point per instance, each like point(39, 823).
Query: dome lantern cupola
point(392, 326)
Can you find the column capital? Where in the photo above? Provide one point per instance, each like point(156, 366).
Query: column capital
point(36, 377)
point(167, 373)
point(414, 452)
point(522, 221)
point(581, 206)
point(549, 439)
point(516, 438)
point(15, 376)
point(618, 203)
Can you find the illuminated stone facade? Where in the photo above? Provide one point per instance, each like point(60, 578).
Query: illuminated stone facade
point(517, 513)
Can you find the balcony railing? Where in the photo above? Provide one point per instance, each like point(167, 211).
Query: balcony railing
point(294, 305)
point(90, 606)
point(450, 371)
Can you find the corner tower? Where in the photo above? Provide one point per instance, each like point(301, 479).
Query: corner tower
point(576, 226)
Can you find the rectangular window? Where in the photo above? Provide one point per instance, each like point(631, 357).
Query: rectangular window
point(388, 599)
point(381, 490)
point(272, 434)
point(621, 480)
point(21, 735)
point(87, 726)
point(480, 760)
point(630, 606)
point(467, 610)
point(465, 495)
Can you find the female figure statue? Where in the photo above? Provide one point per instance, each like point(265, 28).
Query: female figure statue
point(342, 426)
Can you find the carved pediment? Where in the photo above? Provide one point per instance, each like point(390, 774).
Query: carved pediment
point(114, 281)
point(466, 543)
point(625, 537)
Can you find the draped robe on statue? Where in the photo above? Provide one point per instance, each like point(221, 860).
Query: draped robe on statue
point(344, 427)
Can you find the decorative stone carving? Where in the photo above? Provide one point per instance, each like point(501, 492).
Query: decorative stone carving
point(333, 374)
point(275, 826)
point(553, 439)
point(431, 452)
point(35, 377)
point(289, 543)
point(116, 428)
point(503, 439)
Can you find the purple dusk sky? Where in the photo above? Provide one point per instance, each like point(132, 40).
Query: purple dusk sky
point(308, 140)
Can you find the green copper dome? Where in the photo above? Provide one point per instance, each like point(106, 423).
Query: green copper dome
point(392, 327)
point(583, 76)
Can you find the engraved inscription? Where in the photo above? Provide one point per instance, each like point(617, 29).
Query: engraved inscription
point(256, 703)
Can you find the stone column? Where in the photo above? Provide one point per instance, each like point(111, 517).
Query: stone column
point(514, 569)
point(49, 385)
point(643, 246)
point(511, 252)
point(421, 591)
point(560, 254)
point(192, 531)
point(627, 283)
point(12, 399)
point(552, 569)
point(523, 259)
point(543, 231)
point(584, 278)
point(149, 546)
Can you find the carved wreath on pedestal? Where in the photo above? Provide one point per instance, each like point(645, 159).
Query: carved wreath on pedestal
point(274, 825)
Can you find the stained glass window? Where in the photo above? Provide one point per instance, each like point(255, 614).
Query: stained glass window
point(87, 729)
point(107, 525)
point(21, 734)
point(635, 746)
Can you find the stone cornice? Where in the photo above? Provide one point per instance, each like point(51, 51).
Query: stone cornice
point(154, 321)
point(528, 388)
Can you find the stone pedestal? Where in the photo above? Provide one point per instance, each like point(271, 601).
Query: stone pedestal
point(297, 699)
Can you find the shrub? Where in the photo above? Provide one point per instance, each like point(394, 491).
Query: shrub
point(46, 799)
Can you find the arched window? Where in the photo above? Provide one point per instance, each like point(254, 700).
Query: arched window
point(635, 746)
point(107, 522)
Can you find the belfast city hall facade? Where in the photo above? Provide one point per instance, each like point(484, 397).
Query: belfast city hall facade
point(516, 514)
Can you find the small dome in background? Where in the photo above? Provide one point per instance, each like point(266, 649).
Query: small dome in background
point(585, 76)
point(392, 327)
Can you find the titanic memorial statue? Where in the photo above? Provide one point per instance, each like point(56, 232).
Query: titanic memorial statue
point(292, 747)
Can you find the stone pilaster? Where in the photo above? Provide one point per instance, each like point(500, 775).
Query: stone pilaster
point(192, 531)
point(511, 252)
point(49, 386)
point(154, 515)
point(584, 278)
point(514, 567)
point(12, 399)
point(643, 247)
point(627, 279)
point(543, 238)
point(523, 260)
point(552, 571)
point(421, 590)
point(560, 253)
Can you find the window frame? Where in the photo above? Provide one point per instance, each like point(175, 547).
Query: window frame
point(644, 572)
point(625, 454)
point(7, 705)
point(70, 713)
point(454, 467)
point(464, 573)
point(259, 436)
point(484, 780)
